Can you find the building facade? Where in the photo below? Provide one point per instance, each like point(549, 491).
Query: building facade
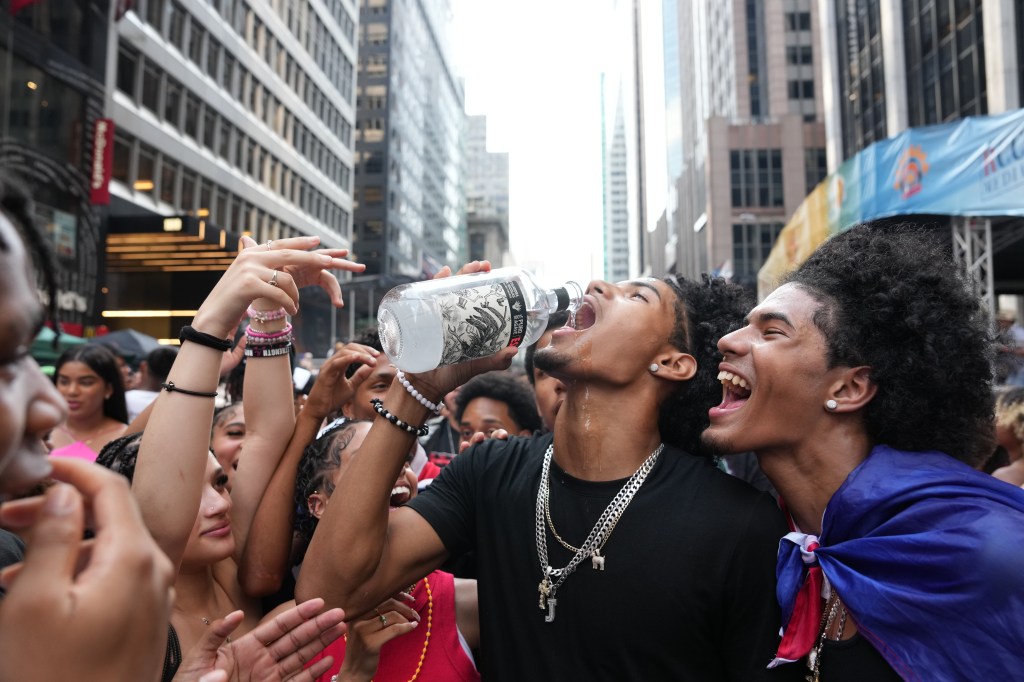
point(744, 131)
point(410, 214)
point(487, 219)
point(892, 66)
point(231, 117)
point(52, 118)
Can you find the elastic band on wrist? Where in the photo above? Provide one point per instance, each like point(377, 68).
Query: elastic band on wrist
point(266, 315)
point(171, 388)
point(433, 407)
point(378, 407)
point(209, 340)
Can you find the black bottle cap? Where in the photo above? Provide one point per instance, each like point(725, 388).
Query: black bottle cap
point(563, 298)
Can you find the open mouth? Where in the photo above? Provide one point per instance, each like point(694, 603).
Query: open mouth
point(583, 318)
point(736, 390)
point(400, 494)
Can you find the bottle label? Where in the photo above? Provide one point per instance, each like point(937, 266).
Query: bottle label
point(480, 321)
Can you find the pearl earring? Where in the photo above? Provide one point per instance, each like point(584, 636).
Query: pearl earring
point(653, 367)
point(831, 405)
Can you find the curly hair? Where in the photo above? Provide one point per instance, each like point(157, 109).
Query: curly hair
point(1010, 411)
point(505, 388)
point(893, 300)
point(120, 455)
point(705, 312)
point(103, 361)
point(320, 460)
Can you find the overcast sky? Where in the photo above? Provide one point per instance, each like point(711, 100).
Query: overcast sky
point(533, 68)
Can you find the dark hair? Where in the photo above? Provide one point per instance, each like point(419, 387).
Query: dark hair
point(222, 414)
point(501, 386)
point(159, 362)
point(16, 204)
point(705, 312)
point(120, 455)
point(370, 338)
point(893, 300)
point(320, 460)
point(101, 360)
point(555, 321)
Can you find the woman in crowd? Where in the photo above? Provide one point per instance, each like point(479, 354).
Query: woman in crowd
point(91, 382)
point(864, 386)
point(1010, 434)
point(175, 474)
point(441, 629)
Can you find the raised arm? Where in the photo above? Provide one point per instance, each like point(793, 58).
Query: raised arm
point(360, 553)
point(172, 457)
point(265, 558)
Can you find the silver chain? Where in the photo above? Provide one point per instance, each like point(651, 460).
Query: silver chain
point(598, 535)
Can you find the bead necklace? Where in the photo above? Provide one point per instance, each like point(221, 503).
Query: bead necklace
point(832, 607)
point(426, 639)
point(552, 578)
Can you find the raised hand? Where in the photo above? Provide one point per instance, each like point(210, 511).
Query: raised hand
point(273, 651)
point(106, 602)
point(332, 388)
point(480, 437)
point(273, 272)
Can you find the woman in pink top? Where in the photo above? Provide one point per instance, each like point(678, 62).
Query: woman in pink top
point(90, 382)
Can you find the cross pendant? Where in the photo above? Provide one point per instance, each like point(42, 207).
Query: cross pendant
point(550, 616)
point(597, 561)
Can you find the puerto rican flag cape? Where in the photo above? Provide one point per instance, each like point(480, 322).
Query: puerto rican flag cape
point(927, 555)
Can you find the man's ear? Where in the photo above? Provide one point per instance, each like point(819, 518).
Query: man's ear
point(853, 389)
point(675, 366)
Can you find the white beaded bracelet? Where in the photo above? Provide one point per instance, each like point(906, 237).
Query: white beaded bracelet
point(433, 407)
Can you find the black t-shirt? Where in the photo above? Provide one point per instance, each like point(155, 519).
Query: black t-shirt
point(854, 660)
point(688, 590)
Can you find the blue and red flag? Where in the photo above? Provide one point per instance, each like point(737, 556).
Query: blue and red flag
point(927, 555)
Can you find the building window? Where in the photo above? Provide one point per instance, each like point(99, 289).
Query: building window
point(815, 167)
point(756, 177)
point(127, 67)
point(751, 244)
point(861, 77)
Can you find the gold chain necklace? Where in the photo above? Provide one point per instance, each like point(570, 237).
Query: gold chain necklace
point(426, 639)
point(832, 607)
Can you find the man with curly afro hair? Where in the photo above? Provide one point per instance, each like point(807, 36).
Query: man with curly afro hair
point(864, 386)
point(605, 550)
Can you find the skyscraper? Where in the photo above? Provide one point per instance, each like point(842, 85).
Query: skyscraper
point(487, 219)
point(745, 140)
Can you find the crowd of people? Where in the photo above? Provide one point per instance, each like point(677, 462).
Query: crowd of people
point(678, 483)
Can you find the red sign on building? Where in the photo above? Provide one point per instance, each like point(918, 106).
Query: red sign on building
point(102, 161)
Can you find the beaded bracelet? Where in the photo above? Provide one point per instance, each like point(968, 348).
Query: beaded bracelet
point(209, 340)
point(266, 315)
point(257, 334)
point(267, 352)
point(270, 345)
point(378, 407)
point(433, 407)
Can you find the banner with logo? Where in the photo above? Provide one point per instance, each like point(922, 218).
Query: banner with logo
point(970, 167)
point(102, 161)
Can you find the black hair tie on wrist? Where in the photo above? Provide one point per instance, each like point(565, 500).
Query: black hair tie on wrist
point(378, 407)
point(171, 388)
point(209, 340)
